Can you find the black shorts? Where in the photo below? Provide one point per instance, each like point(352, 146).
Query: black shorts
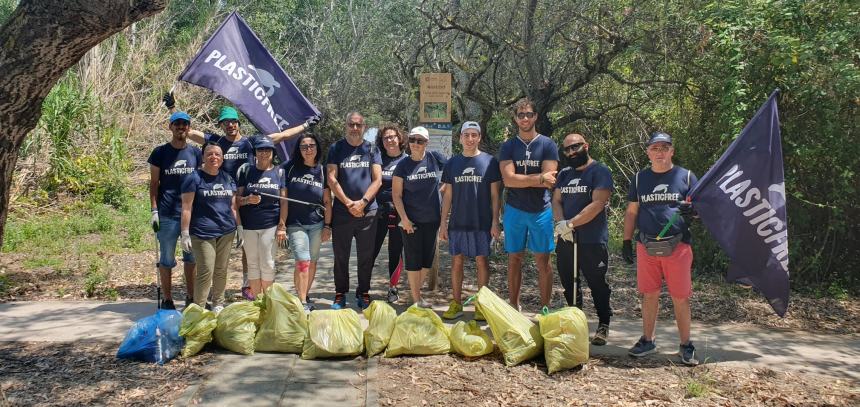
point(420, 247)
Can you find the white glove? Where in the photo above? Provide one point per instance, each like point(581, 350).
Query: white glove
point(185, 241)
point(153, 221)
point(240, 236)
point(563, 230)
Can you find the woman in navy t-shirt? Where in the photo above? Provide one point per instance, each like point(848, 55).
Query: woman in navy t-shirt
point(308, 225)
point(263, 214)
point(415, 190)
point(209, 224)
point(391, 142)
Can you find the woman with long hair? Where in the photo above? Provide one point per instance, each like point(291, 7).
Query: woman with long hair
point(392, 145)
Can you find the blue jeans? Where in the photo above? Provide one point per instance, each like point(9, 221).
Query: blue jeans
point(305, 241)
point(168, 233)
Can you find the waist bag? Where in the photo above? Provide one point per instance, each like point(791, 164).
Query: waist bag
point(660, 248)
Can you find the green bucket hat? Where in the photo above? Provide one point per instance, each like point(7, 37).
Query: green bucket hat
point(228, 113)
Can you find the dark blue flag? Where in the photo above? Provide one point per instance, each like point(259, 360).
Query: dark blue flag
point(236, 65)
point(741, 200)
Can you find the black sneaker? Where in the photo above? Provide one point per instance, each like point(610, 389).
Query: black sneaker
point(208, 307)
point(642, 347)
point(167, 304)
point(601, 335)
point(362, 301)
point(688, 354)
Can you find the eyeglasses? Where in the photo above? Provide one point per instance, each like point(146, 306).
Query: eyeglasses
point(573, 147)
point(416, 140)
point(389, 138)
point(306, 147)
point(355, 125)
point(523, 115)
point(229, 121)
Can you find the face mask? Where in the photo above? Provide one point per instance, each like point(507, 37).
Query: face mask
point(579, 159)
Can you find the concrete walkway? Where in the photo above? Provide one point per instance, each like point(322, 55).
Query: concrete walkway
point(284, 379)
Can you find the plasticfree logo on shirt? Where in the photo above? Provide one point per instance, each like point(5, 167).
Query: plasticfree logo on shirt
point(421, 173)
point(264, 183)
point(180, 167)
point(389, 172)
point(307, 179)
point(660, 193)
point(573, 187)
point(468, 175)
point(217, 191)
point(354, 161)
point(234, 154)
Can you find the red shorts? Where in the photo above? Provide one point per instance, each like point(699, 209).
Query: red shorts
point(675, 269)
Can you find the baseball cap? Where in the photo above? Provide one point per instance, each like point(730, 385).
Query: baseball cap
point(264, 142)
point(180, 116)
point(228, 113)
point(659, 137)
point(470, 125)
point(420, 131)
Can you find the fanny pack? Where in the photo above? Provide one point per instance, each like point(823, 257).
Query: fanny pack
point(660, 248)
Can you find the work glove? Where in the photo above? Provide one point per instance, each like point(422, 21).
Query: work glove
point(185, 241)
point(312, 122)
point(687, 211)
point(563, 230)
point(169, 101)
point(627, 252)
point(240, 239)
point(153, 221)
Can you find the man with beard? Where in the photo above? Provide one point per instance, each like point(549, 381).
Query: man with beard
point(579, 203)
point(169, 165)
point(528, 165)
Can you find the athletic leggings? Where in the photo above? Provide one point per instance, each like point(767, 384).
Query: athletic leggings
point(387, 224)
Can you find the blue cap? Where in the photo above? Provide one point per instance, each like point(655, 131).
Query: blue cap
point(180, 116)
point(659, 137)
point(264, 142)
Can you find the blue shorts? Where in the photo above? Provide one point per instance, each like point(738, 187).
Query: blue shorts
point(168, 233)
point(532, 227)
point(469, 243)
point(305, 241)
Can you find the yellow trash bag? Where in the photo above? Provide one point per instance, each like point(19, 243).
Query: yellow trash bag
point(197, 326)
point(333, 333)
point(381, 317)
point(518, 337)
point(237, 324)
point(565, 335)
point(468, 339)
point(283, 324)
point(418, 331)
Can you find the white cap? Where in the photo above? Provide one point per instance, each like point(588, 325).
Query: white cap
point(470, 125)
point(420, 131)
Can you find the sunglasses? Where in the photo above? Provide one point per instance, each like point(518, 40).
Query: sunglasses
point(573, 147)
point(229, 121)
point(355, 125)
point(416, 140)
point(659, 149)
point(389, 138)
point(306, 147)
point(523, 115)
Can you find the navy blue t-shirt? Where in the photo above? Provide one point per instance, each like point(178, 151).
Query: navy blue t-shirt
point(354, 173)
point(306, 184)
point(383, 197)
point(265, 214)
point(471, 179)
point(527, 159)
point(658, 196)
point(235, 153)
point(421, 186)
point(212, 214)
point(576, 189)
point(174, 165)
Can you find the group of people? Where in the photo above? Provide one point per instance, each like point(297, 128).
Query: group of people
point(231, 193)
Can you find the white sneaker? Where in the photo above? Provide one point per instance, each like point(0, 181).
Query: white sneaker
point(218, 308)
point(422, 303)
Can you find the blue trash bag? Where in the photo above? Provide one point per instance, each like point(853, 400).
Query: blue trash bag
point(154, 338)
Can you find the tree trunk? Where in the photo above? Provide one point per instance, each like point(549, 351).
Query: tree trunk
point(39, 42)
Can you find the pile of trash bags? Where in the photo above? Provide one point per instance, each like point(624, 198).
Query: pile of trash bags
point(277, 322)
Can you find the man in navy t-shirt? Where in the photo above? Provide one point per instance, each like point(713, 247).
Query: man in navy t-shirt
point(579, 202)
point(656, 199)
point(528, 165)
point(169, 165)
point(354, 171)
point(471, 183)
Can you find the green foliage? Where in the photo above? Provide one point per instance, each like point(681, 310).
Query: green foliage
point(695, 388)
point(95, 277)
